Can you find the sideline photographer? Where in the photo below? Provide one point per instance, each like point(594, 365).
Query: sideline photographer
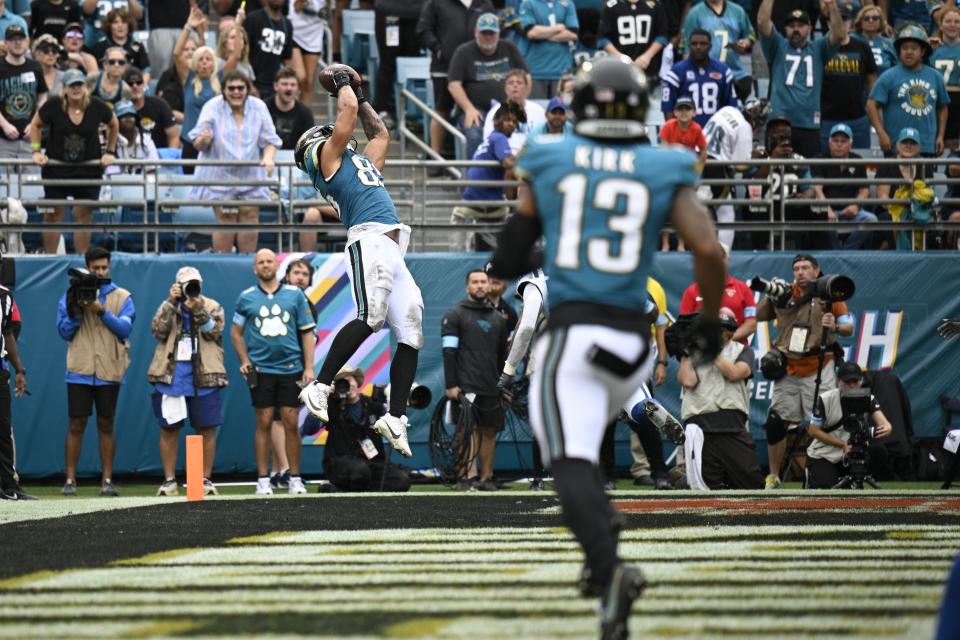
point(96, 318)
point(188, 371)
point(354, 457)
point(807, 319)
point(719, 451)
point(834, 447)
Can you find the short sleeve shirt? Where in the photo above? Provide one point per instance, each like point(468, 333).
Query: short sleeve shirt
point(796, 76)
point(691, 137)
point(272, 324)
point(910, 99)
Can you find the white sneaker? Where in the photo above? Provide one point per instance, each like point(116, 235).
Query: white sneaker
point(263, 487)
point(394, 429)
point(296, 485)
point(314, 398)
point(209, 489)
point(771, 482)
point(168, 488)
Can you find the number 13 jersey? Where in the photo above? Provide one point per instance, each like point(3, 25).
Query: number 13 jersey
point(601, 207)
point(356, 190)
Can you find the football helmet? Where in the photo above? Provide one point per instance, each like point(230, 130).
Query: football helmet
point(319, 133)
point(610, 100)
point(756, 110)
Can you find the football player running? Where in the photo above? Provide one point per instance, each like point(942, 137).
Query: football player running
point(382, 287)
point(599, 197)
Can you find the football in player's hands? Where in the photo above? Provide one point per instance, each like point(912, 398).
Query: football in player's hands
point(326, 77)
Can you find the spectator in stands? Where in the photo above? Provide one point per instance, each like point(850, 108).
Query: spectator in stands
point(233, 51)
point(903, 12)
point(272, 333)
point(731, 36)
point(98, 354)
point(556, 122)
point(154, 115)
point(291, 118)
point(7, 18)
point(133, 143)
point(737, 298)
point(23, 90)
point(46, 51)
point(443, 26)
point(187, 372)
point(308, 23)
point(782, 10)
point(395, 27)
point(474, 345)
point(707, 82)
point(848, 77)
point(517, 88)
point(230, 8)
point(201, 84)
point(871, 27)
point(51, 16)
point(354, 458)
point(120, 26)
point(171, 83)
point(638, 30)
point(77, 58)
point(497, 148)
point(853, 192)
point(476, 77)
point(825, 455)
point(682, 129)
point(234, 126)
point(108, 84)
point(910, 94)
point(96, 13)
point(946, 57)
point(914, 189)
point(550, 27)
point(167, 18)
point(72, 122)
point(270, 35)
point(796, 70)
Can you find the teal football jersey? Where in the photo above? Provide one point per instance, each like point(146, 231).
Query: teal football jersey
point(601, 207)
point(356, 190)
point(946, 60)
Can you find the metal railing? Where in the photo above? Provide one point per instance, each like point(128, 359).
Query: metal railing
point(406, 135)
point(423, 202)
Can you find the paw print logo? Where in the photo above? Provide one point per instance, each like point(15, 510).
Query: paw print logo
point(272, 322)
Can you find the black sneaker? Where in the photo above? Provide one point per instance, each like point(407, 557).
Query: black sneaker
point(488, 485)
point(626, 586)
point(662, 483)
point(107, 490)
point(644, 481)
point(537, 485)
point(280, 480)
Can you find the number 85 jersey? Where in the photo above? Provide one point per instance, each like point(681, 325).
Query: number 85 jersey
point(356, 190)
point(601, 208)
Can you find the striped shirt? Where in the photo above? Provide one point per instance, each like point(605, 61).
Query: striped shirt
point(7, 306)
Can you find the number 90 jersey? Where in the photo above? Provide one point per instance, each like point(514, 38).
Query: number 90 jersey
point(356, 190)
point(601, 207)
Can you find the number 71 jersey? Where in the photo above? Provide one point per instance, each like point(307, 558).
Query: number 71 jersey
point(356, 190)
point(601, 207)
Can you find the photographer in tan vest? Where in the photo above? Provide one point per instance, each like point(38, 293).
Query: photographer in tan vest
point(95, 317)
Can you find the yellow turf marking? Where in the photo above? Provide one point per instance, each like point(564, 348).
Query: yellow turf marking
point(162, 628)
point(416, 628)
point(907, 535)
point(265, 538)
point(20, 581)
point(152, 558)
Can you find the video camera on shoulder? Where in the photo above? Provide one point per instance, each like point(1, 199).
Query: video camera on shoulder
point(84, 285)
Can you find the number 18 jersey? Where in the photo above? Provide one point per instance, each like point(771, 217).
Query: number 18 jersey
point(601, 207)
point(356, 190)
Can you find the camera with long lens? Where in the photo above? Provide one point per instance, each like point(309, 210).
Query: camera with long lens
point(776, 289)
point(84, 285)
point(833, 288)
point(191, 289)
point(341, 388)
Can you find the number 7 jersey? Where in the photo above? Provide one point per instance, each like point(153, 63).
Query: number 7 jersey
point(356, 190)
point(601, 207)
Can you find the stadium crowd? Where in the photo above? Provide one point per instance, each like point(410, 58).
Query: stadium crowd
point(840, 79)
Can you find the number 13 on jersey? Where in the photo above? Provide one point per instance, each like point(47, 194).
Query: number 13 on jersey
point(619, 205)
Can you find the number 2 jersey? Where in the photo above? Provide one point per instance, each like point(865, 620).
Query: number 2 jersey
point(356, 190)
point(601, 207)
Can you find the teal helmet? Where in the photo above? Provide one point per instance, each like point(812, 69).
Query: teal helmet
point(915, 33)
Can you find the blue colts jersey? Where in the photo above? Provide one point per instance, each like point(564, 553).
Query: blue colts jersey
point(356, 190)
point(601, 207)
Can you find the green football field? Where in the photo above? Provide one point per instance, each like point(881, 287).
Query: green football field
point(439, 564)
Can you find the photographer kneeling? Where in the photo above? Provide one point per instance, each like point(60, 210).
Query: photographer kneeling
point(827, 455)
point(354, 456)
point(719, 452)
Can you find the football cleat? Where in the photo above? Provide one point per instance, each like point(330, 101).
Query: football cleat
point(626, 586)
point(664, 422)
point(314, 398)
point(394, 431)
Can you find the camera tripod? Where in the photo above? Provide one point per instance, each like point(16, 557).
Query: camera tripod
point(858, 471)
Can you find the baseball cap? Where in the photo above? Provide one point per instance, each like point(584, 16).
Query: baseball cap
point(73, 76)
point(556, 103)
point(14, 31)
point(728, 320)
point(132, 74)
point(350, 372)
point(73, 27)
point(841, 128)
point(185, 274)
point(684, 101)
point(850, 372)
point(126, 108)
point(774, 119)
point(909, 133)
point(488, 22)
point(798, 15)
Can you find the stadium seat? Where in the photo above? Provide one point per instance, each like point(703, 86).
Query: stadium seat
point(358, 45)
point(413, 74)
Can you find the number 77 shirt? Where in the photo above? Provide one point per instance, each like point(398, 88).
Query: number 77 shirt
point(796, 76)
